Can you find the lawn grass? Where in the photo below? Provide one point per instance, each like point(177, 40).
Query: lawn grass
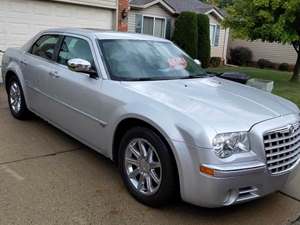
point(282, 86)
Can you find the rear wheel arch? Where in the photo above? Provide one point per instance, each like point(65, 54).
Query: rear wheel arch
point(8, 76)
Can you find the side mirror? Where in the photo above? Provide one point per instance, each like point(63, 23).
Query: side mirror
point(81, 66)
point(197, 62)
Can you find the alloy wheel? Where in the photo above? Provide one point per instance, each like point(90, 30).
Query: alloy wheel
point(15, 98)
point(143, 166)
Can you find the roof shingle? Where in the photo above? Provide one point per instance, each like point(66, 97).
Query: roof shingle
point(189, 5)
point(181, 5)
point(140, 2)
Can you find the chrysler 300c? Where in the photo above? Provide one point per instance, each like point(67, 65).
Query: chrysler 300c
point(172, 129)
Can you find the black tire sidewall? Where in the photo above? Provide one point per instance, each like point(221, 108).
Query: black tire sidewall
point(168, 187)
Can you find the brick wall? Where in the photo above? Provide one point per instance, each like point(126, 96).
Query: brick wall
point(123, 6)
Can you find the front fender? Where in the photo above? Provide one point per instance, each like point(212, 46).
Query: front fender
point(171, 126)
point(154, 117)
point(147, 114)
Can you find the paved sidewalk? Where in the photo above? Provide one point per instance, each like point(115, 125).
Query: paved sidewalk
point(293, 187)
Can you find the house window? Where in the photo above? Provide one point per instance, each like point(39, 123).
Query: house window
point(155, 26)
point(214, 35)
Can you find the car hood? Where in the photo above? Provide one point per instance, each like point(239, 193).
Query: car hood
point(224, 105)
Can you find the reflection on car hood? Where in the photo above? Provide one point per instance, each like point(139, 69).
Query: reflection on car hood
point(222, 104)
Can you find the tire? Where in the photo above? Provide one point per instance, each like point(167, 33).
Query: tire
point(16, 100)
point(161, 171)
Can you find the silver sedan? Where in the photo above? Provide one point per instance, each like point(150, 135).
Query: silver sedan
point(172, 129)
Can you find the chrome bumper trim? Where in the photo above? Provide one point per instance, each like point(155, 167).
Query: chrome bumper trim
point(233, 172)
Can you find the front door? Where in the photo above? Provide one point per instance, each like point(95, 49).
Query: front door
point(76, 97)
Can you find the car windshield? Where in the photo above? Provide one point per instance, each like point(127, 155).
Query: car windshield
point(137, 60)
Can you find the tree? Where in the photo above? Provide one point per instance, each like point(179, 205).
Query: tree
point(213, 2)
point(186, 33)
point(225, 3)
point(203, 40)
point(268, 20)
point(218, 3)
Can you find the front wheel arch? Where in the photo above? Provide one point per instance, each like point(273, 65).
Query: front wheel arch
point(129, 123)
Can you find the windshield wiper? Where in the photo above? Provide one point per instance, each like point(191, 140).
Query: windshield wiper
point(146, 79)
point(202, 75)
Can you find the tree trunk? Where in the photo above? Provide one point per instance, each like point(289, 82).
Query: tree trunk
point(296, 74)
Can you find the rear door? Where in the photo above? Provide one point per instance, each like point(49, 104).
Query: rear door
point(76, 97)
point(37, 66)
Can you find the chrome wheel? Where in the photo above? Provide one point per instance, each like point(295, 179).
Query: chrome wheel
point(143, 166)
point(15, 97)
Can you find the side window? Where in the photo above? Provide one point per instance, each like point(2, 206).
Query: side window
point(74, 48)
point(45, 46)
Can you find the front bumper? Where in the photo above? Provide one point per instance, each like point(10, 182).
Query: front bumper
point(240, 178)
point(230, 186)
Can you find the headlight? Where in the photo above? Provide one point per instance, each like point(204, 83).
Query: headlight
point(225, 145)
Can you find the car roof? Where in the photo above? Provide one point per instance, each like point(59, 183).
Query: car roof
point(103, 34)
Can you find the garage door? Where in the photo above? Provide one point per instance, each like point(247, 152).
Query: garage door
point(20, 20)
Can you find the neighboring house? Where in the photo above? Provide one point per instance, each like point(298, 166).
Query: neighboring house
point(157, 17)
point(276, 53)
point(20, 20)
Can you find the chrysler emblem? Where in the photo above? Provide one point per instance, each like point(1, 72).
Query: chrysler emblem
point(292, 129)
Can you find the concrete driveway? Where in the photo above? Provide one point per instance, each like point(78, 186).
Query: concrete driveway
point(49, 178)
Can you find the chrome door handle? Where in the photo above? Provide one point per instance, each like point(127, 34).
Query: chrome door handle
point(54, 74)
point(24, 63)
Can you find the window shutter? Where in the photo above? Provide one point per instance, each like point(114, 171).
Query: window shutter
point(217, 37)
point(169, 29)
point(138, 23)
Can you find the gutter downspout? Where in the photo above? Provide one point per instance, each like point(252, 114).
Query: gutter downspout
point(225, 46)
point(1, 81)
point(117, 16)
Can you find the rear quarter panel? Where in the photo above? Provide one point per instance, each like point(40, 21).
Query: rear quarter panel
point(11, 63)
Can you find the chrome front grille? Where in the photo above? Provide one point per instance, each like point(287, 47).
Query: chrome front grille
point(282, 148)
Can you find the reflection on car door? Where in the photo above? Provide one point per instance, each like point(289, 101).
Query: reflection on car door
point(37, 65)
point(76, 102)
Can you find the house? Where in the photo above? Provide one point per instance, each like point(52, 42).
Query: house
point(274, 52)
point(20, 20)
point(157, 17)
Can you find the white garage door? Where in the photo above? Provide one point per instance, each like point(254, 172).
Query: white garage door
point(21, 19)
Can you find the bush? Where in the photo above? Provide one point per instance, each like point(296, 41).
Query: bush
point(186, 33)
point(284, 67)
point(203, 40)
point(240, 56)
point(264, 63)
point(215, 61)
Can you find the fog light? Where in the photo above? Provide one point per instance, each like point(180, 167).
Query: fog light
point(207, 170)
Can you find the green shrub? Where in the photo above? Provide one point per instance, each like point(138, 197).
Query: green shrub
point(284, 67)
point(264, 63)
point(186, 33)
point(203, 40)
point(215, 61)
point(241, 56)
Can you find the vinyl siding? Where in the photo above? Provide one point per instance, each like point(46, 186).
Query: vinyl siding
point(20, 20)
point(158, 10)
point(276, 53)
point(97, 3)
point(155, 10)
